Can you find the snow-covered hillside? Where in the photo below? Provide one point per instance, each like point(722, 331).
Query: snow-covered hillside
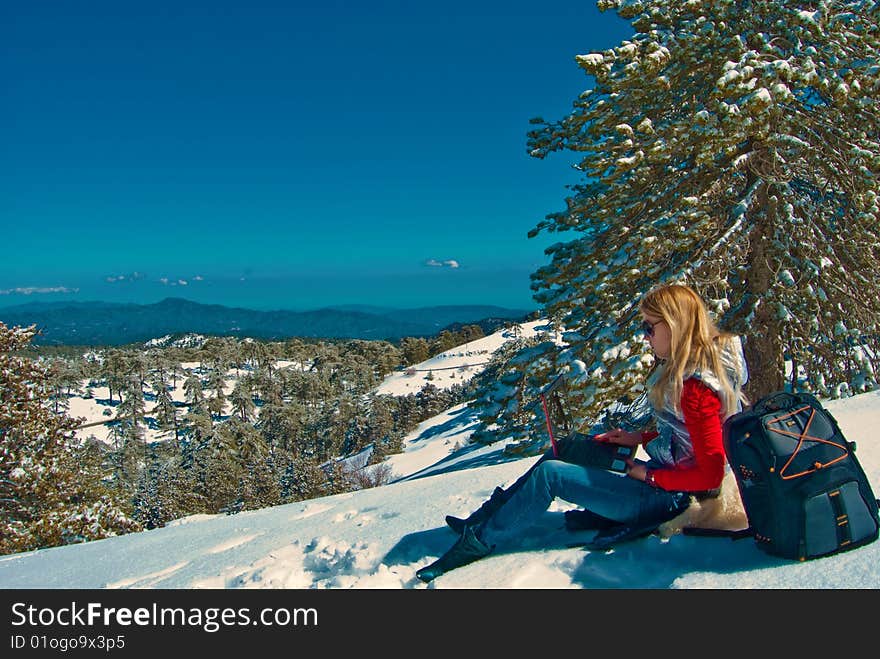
point(378, 538)
point(458, 364)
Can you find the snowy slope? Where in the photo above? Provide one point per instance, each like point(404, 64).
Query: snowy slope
point(455, 365)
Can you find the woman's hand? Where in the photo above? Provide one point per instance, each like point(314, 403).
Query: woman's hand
point(620, 436)
point(636, 470)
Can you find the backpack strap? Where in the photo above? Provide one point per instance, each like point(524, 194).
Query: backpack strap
point(719, 533)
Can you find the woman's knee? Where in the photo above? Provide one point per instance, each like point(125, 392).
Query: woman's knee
point(551, 472)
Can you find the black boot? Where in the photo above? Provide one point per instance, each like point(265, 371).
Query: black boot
point(647, 522)
point(586, 520)
point(467, 549)
point(480, 515)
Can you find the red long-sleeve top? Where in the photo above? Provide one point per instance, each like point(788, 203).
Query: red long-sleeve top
point(701, 409)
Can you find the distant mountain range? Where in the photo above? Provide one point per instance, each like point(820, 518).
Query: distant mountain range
point(106, 323)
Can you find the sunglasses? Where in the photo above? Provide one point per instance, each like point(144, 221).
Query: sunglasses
point(648, 327)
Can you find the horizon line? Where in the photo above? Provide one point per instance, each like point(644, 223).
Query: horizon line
point(332, 306)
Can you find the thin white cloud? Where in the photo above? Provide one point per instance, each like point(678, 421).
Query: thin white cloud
point(116, 279)
point(37, 290)
point(448, 263)
point(178, 281)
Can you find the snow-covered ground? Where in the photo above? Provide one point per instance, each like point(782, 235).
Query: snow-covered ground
point(378, 538)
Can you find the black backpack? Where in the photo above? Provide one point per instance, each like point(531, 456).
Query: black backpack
point(804, 492)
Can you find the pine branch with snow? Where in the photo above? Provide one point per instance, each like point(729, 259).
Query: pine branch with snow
point(733, 146)
point(51, 492)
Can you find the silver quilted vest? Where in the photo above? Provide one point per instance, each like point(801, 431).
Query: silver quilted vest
point(673, 446)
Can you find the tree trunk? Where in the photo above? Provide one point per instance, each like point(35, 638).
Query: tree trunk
point(763, 346)
point(763, 351)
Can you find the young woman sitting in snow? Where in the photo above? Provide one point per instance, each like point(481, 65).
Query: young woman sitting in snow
point(695, 387)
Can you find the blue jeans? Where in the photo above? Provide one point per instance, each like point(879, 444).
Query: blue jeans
point(615, 496)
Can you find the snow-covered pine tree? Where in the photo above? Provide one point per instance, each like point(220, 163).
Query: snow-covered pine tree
point(508, 385)
point(147, 503)
point(431, 400)
point(733, 145)
point(114, 367)
point(221, 466)
point(380, 426)
point(132, 409)
point(165, 410)
point(192, 388)
point(50, 486)
point(242, 399)
point(260, 485)
point(217, 381)
point(415, 350)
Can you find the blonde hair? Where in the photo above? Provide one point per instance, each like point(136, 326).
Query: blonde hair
point(696, 344)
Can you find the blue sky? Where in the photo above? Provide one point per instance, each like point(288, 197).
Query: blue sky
point(284, 154)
